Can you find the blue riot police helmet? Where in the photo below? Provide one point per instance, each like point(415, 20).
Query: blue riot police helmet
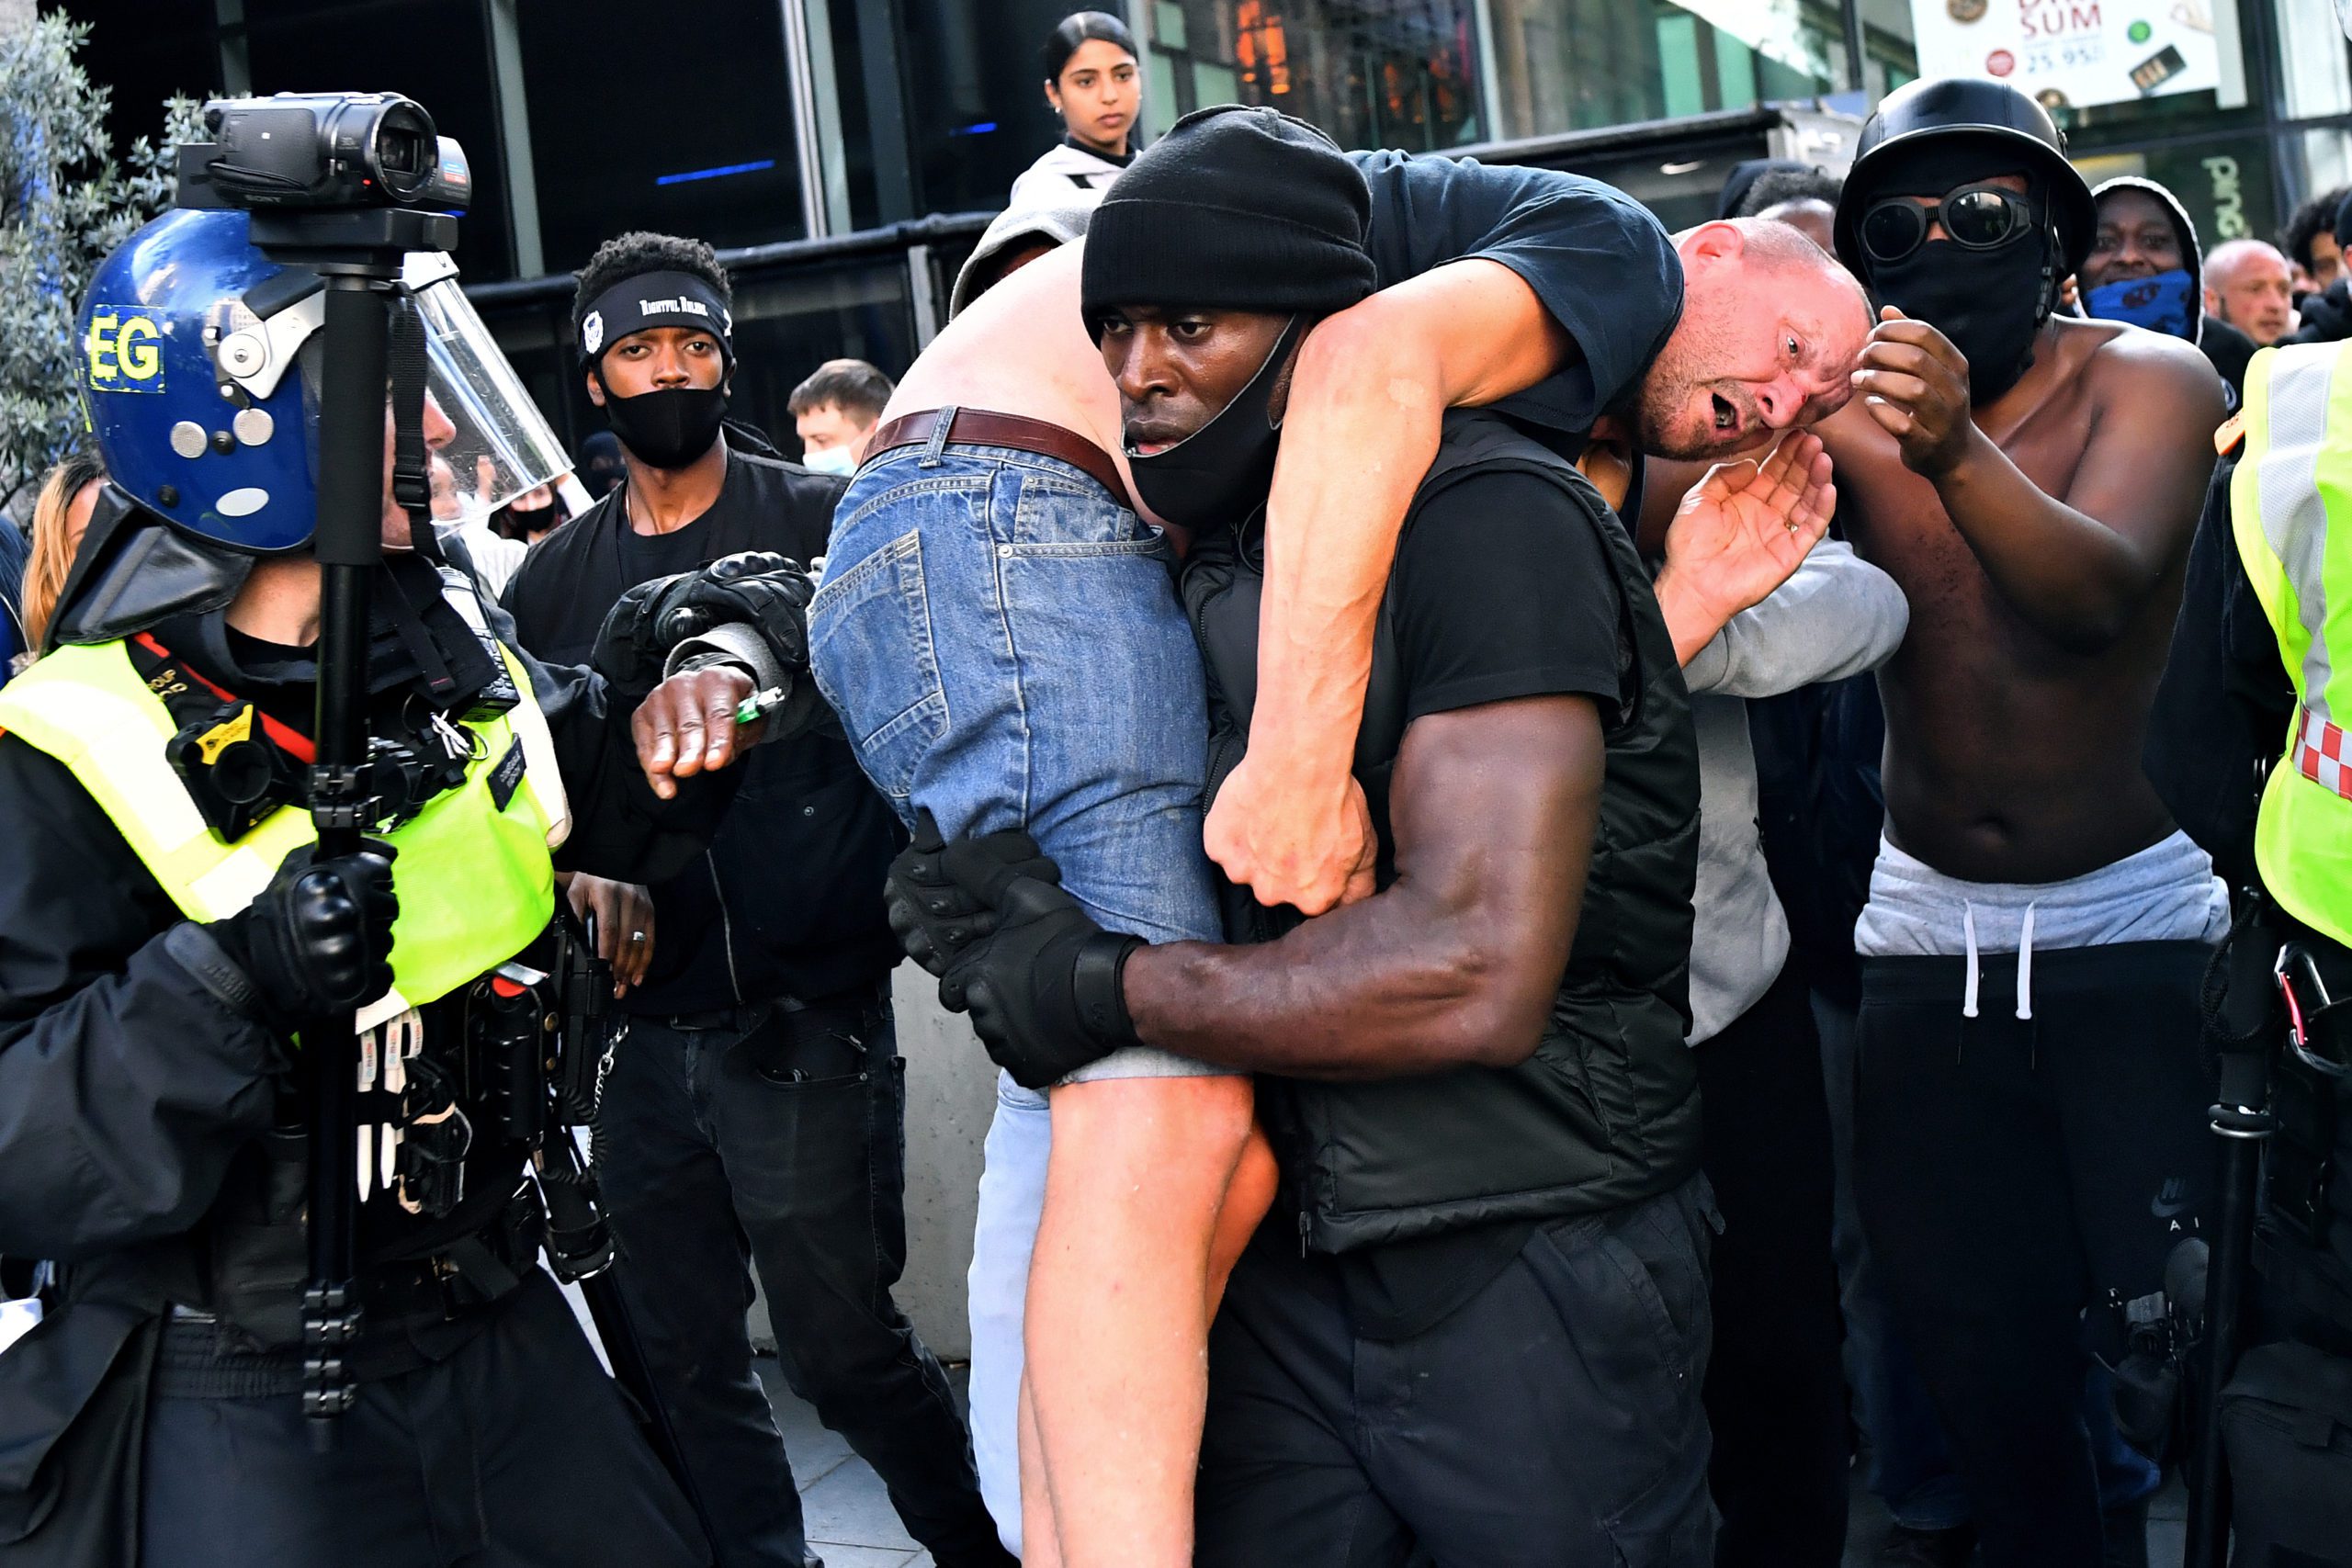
point(200, 360)
point(191, 341)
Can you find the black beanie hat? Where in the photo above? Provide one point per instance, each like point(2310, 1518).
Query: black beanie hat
point(1237, 207)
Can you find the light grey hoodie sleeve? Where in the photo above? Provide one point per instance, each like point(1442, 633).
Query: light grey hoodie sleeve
point(1836, 615)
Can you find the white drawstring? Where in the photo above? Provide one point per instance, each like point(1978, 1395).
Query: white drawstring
point(2025, 966)
point(1968, 925)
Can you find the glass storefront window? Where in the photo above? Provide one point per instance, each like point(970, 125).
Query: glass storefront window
point(1889, 57)
point(623, 135)
point(975, 96)
point(1576, 64)
point(438, 54)
point(1372, 73)
point(1408, 73)
point(2311, 61)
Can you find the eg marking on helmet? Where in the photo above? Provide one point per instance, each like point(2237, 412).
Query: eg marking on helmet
point(122, 349)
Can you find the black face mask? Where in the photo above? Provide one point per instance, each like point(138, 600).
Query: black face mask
point(1989, 303)
point(669, 428)
point(1220, 473)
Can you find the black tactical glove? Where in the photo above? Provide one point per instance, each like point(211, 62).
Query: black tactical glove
point(766, 592)
point(933, 916)
point(318, 941)
point(1038, 976)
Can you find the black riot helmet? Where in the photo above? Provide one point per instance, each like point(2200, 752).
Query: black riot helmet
point(1950, 108)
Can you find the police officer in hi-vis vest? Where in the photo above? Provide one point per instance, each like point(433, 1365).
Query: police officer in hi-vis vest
point(2248, 748)
point(166, 932)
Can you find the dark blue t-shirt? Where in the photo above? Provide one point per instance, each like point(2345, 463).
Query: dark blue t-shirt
point(1596, 257)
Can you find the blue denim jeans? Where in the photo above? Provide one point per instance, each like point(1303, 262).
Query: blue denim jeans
point(1003, 643)
point(1004, 646)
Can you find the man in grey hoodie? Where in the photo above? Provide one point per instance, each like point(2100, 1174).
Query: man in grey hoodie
point(1775, 1391)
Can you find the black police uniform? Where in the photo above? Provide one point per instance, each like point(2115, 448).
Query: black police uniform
point(155, 1417)
point(2223, 703)
point(757, 1105)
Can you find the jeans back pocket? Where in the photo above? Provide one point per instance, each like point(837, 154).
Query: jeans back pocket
point(871, 649)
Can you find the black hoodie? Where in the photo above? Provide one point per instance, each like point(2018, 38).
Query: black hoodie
point(2225, 347)
point(2327, 317)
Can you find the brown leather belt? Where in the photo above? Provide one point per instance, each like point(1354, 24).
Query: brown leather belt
point(979, 427)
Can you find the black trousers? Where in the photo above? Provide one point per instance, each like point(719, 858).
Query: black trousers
point(1776, 1389)
point(1553, 1421)
point(2014, 1172)
point(777, 1141)
point(515, 1452)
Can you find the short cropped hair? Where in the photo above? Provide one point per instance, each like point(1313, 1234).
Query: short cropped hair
point(1777, 185)
point(852, 386)
point(632, 255)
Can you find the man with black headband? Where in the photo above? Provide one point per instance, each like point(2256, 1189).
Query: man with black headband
point(2029, 1120)
point(755, 1110)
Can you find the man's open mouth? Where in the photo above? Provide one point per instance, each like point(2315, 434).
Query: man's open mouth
point(1726, 415)
point(1151, 440)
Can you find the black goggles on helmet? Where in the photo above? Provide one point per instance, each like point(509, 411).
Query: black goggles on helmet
point(1975, 218)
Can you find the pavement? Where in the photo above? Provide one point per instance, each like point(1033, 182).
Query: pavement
point(850, 1520)
point(852, 1524)
point(2167, 1525)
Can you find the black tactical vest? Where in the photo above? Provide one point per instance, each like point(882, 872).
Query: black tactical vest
point(1606, 1112)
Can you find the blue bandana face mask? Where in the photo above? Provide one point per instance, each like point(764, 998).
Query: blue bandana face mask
point(2165, 303)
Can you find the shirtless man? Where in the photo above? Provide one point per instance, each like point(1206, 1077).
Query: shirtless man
point(1001, 635)
point(2030, 1133)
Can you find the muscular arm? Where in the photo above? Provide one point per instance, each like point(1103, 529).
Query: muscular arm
point(2079, 568)
point(1366, 402)
point(1457, 962)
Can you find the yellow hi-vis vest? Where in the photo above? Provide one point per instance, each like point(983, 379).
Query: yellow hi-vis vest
point(475, 882)
point(2290, 513)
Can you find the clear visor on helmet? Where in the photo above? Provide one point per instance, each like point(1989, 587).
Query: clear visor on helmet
point(503, 447)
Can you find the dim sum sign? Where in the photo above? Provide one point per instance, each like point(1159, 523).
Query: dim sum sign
point(2075, 53)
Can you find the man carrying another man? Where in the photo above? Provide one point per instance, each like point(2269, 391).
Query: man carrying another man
point(1484, 1111)
point(1547, 293)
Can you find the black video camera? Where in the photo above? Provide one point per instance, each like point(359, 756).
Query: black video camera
point(323, 149)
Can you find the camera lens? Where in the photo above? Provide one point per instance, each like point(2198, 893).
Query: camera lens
point(403, 151)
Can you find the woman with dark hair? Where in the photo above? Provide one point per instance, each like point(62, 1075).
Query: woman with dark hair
point(61, 516)
point(1092, 82)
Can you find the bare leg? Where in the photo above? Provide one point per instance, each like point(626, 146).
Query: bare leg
point(1247, 1198)
point(1041, 1544)
point(1120, 1292)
